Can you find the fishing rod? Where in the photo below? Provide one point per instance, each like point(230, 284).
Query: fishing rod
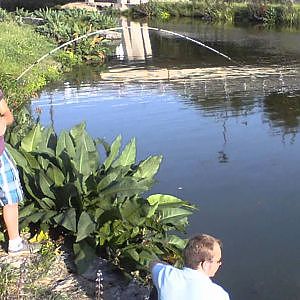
point(192, 40)
point(121, 28)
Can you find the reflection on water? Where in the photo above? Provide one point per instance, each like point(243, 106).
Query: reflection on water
point(230, 143)
point(283, 111)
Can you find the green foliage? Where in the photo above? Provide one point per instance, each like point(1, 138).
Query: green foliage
point(216, 10)
point(273, 13)
point(255, 11)
point(21, 46)
point(99, 203)
point(65, 25)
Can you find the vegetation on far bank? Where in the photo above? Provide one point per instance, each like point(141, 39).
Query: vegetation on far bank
point(271, 13)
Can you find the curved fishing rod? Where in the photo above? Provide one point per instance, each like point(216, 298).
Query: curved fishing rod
point(192, 40)
point(121, 28)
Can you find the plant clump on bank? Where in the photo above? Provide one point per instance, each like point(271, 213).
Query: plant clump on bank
point(65, 25)
point(98, 203)
point(279, 13)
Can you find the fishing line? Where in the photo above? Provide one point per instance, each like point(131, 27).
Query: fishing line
point(121, 28)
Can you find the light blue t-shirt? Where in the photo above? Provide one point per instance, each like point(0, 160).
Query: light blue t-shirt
point(185, 284)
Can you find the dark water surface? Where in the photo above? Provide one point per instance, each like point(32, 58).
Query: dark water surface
point(231, 146)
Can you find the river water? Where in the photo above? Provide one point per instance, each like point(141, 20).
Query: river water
point(230, 140)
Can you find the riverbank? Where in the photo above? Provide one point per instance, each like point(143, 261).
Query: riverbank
point(23, 45)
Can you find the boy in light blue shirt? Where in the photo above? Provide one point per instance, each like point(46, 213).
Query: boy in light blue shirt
point(202, 258)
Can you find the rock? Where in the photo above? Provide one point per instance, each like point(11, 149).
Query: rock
point(115, 284)
point(79, 5)
point(112, 35)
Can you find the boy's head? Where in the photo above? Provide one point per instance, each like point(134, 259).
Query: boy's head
point(203, 252)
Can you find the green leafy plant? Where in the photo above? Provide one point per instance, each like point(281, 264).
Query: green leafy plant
point(65, 25)
point(100, 203)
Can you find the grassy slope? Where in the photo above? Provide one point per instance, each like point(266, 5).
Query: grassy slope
point(20, 46)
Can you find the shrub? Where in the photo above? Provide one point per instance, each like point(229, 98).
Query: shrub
point(101, 204)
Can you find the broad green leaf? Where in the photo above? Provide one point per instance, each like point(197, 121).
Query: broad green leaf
point(45, 150)
point(49, 203)
point(35, 217)
point(18, 157)
point(114, 150)
point(44, 163)
point(45, 184)
point(56, 175)
point(152, 210)
point(32, 162)
point(169, 214)
point(133, 254)
point(134, 211)
point(65, 142)
point(47, 136)
point(148, 168)
point(31, 141)
point(127, 186)
point(84, 256)
point(135, 231)
point(94, 159)
point(111, 176)
point(81, 161)
point(78, 130)
point(48, 142)
point(165, 199)
point(128, 155)
point(48, 215)
point(67, 219)
point(27, 210)
point(85, 141)
point(104, 203)
point(85, 226)
point(29, 180)
point(146, 256)
point(176, 241)
point(104, 233)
